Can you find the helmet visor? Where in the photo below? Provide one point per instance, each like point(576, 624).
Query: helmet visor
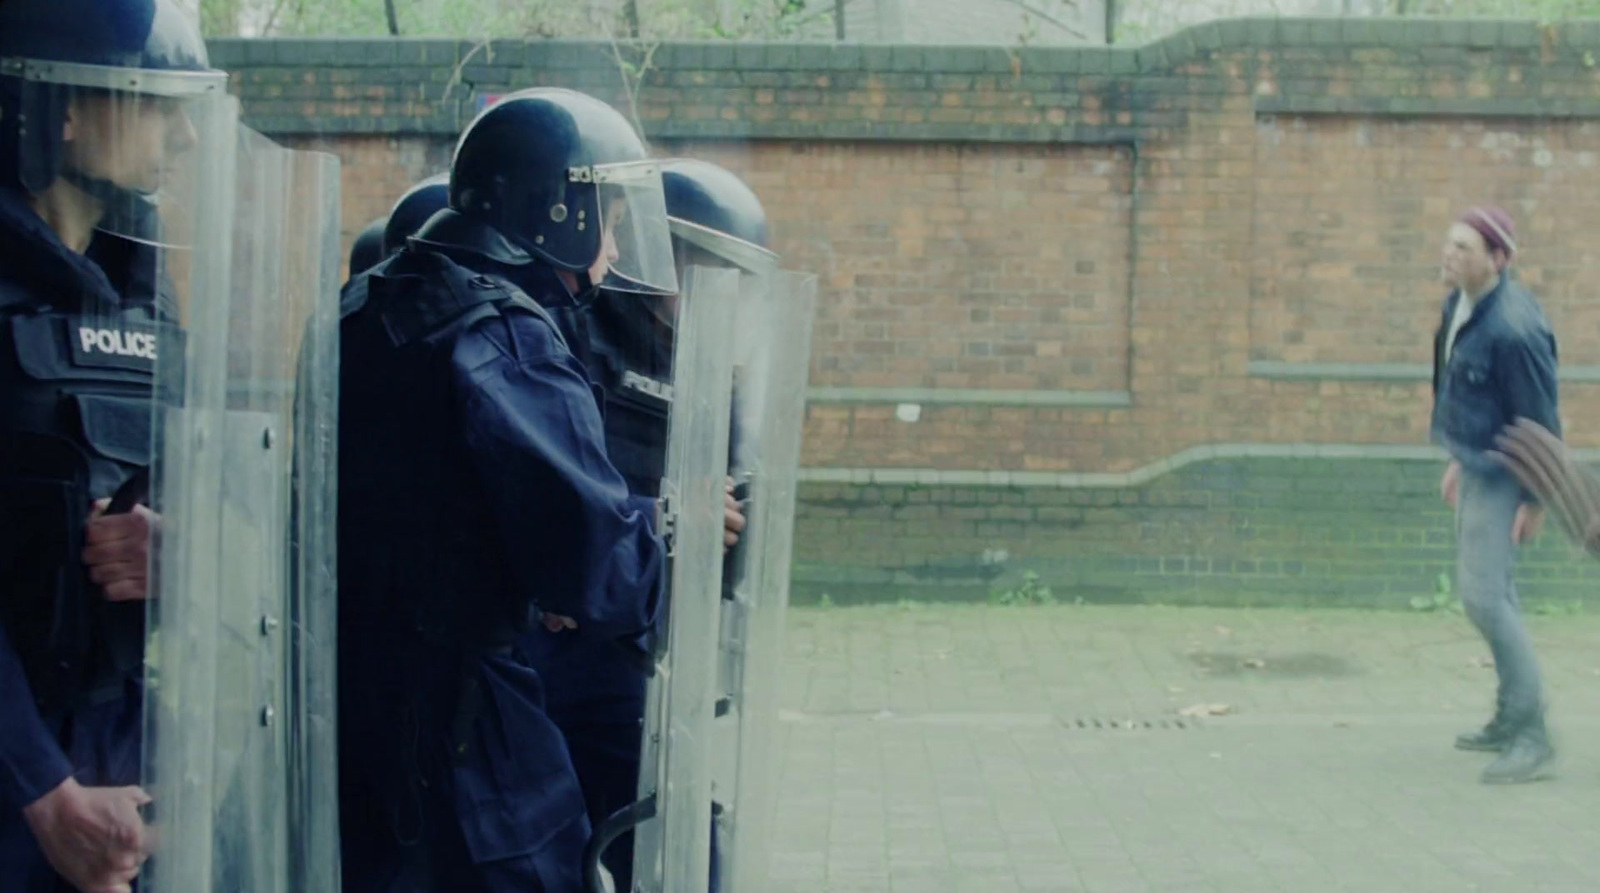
point(144, 148)
point(636, 243)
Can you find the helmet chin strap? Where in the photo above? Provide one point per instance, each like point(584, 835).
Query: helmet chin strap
point(121, 207)
point(587, 291)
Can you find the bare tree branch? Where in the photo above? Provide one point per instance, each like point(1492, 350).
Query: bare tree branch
point(272, 18)
point(632, 80)
point(455, 76)
point(1032, 10)
point(836, 13)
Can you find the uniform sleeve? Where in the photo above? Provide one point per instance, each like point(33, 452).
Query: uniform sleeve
point(31, 762)
point(575, 540)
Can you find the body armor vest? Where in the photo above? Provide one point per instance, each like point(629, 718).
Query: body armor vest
point(75, 413)
point(627, 352)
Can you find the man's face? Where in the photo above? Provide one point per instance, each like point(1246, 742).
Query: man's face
point(1467, 261)
point(130, 141)
point(612, 217)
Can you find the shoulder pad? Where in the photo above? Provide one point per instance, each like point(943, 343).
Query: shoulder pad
point(421, 295)
point(519, 300)
point(451, 232)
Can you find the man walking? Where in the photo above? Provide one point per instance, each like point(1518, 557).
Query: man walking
point(1494, 361)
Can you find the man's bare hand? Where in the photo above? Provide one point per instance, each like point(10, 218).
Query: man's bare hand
point(733, 520)
point(118, 551)
point(1527, 524)
point(93, 837)
point(1544, 466)
point(1450, 484)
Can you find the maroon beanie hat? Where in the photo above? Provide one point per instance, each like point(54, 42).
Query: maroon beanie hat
point(1495, 225)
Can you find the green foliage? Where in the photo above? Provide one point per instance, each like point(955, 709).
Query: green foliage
point(483, 19)
point(1030, 591)
point(1142, 21)
point(1567, 608)
point(1539, 10)
point(1441, 600)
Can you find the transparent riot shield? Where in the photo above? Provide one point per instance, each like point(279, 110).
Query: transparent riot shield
point(774, 359)
point(238, 748)
point(312, 285)
point(672, 843)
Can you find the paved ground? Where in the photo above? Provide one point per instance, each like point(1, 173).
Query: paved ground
point(988, 749)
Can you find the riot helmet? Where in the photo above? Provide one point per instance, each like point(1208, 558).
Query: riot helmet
point(367, 250)
point(413, 209)
point(712, 210)
point(115, 98)
point(566, 178)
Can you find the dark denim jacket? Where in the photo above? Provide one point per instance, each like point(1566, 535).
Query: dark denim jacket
point(1503, 367)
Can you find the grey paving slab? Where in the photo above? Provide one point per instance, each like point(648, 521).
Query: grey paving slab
point(957, 748)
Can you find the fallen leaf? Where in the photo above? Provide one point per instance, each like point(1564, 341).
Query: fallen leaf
point(1224, 631)
point(1481, 662)
point(1255, 663)
point(1205, 710)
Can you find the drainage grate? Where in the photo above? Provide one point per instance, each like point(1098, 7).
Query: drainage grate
point(1103, 723)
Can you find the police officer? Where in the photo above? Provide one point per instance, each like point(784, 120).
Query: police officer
point(413, 209)
point(367, 250)
point(93, 120)
point(476, 499)
point(626, 342)
point(385, 235)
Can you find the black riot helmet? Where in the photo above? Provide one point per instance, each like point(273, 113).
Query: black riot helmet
point(711, 209)
point(367, 250)
point(566, 178)
point(413, 209)
point(133, 80)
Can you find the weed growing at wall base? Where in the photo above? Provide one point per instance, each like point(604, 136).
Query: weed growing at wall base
point(1028, 592)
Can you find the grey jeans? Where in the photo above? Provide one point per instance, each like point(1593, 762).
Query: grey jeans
point(1485, 560)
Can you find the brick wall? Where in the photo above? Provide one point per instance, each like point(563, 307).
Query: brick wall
point(1100, 274)
point(1243, 530)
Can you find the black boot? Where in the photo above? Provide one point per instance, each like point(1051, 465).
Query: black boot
point(1494, 737)
point(1527, 758)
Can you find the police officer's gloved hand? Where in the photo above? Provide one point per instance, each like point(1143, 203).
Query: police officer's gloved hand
point(556, 623)
point(117, 551)
point(93, 837)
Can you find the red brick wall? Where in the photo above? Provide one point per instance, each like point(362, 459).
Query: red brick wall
point(1284, 204)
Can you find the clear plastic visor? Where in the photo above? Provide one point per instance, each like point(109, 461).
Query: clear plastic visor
point(137, 151)
point(636, 243)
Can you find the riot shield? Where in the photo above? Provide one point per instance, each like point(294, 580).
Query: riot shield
point(774, 346)
point(239, 713)
point(312, 284)
point(672, 844)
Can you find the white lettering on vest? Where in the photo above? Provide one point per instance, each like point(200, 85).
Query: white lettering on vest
point(644, 385)
point(117, 343)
